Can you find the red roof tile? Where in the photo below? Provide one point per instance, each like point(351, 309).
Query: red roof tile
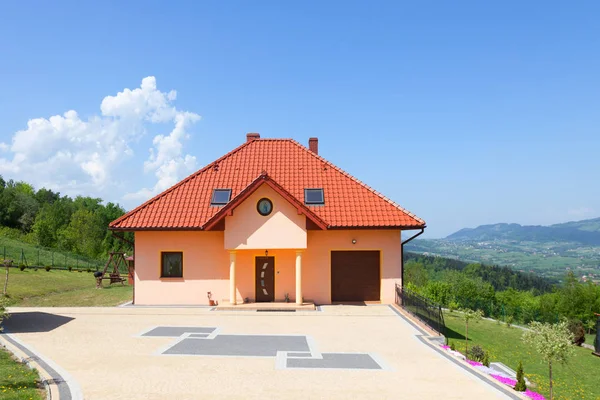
point(348, 202)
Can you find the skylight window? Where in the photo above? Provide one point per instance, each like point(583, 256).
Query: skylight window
point(314, 196)
point(220, 197)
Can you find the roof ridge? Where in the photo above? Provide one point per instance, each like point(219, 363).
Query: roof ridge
point(346, 174)
point(175, 186)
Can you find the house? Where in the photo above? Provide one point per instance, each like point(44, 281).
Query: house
point(269, 220)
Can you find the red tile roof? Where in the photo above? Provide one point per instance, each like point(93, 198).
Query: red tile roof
point(349, 203)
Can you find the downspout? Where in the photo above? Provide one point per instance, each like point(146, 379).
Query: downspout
point(402, 253)
point(122, 238)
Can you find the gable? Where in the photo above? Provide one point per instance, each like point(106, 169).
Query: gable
point(283, 228)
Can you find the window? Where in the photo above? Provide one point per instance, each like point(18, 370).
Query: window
point(264, 207)
point(220, 197)
point(314, 196)
point(171, 265)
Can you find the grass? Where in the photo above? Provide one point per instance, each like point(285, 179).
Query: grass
point(578, 379)
point(12, 249)
point(54, 288)
point(17, 381)
point(590, 339)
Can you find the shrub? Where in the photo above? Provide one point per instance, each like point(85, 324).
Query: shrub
point(509, 321)
point(70, 269)
point(22, 267)
point(520, 386)
point(476, 353)
point(453, 306)
point(88, 270)
point(48, 268)
point(486, 359)
point(452, 346)
point(79, 270)
point(35, 269)
point(578, 331)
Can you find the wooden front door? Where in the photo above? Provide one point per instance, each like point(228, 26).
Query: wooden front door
point(265, 279)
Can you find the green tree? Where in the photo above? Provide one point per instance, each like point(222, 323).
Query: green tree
point(520, 386)
point(84, 234)
point(415, 273)
point(552, 342)
point(470, 315)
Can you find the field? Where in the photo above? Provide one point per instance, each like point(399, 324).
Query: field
point(24, 253)
point(576, 380)
point(546, 259)
point(41, 288)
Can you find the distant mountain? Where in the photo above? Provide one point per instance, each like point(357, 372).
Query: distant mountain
point(585, 232)
point(547, 250)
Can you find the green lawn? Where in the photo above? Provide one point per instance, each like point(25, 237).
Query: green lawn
point(577, 380)
point(56, 288)
point(17, 381)
point(589, 339)
point(18, 251)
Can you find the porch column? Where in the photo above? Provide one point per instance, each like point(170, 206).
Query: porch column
point(298, 276)
point(232, 294)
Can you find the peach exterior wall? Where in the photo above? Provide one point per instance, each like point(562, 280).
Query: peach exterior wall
point(316, 264)
point(206, 266)
point(284, 228)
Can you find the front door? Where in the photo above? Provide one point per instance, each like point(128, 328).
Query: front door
point(265, 279)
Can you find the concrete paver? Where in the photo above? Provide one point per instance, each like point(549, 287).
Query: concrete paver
point(103, 350)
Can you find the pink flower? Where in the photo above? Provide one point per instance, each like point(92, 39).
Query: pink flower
point(443, 346)
point(474, 363)
point(502, 379)
point(534, 395)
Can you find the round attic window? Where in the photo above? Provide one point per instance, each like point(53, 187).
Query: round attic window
point(264, 207)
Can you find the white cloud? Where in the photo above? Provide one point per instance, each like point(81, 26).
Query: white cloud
point(75, 155)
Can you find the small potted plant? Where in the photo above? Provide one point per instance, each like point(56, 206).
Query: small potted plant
point(210, 301)
point(287, 298)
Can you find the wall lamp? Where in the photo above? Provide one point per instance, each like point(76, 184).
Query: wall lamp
point(353, 241)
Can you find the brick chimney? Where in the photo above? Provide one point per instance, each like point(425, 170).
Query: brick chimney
point(313, 145)
point(252, 136)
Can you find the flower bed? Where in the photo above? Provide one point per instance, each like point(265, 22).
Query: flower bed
point(499, 376)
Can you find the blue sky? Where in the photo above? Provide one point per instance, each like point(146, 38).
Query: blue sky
point(463, 112)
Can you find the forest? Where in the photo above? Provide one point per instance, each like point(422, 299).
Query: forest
point(502, 293)
point(47, 219)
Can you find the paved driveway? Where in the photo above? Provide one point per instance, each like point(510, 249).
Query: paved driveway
point(341, 352)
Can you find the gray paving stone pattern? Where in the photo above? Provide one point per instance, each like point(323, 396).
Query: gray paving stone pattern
point(290, 351)
point(240, 345)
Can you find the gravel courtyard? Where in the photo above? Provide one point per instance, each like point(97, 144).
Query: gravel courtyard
point(339, 352)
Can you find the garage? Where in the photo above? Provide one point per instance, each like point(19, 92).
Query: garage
point(355, 276)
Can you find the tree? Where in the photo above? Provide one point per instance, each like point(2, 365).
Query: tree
point(3, 313)
point(590, 324)
point(470, 315)
point(520, 386)
point(552, 342)
point(84, 234)
point(415, 273)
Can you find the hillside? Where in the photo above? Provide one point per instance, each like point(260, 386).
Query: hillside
point(546, 250)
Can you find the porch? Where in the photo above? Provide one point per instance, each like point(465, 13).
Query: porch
point(275, 306)
point(255, 283)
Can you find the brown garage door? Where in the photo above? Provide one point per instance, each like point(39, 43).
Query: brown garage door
point(355, 276)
